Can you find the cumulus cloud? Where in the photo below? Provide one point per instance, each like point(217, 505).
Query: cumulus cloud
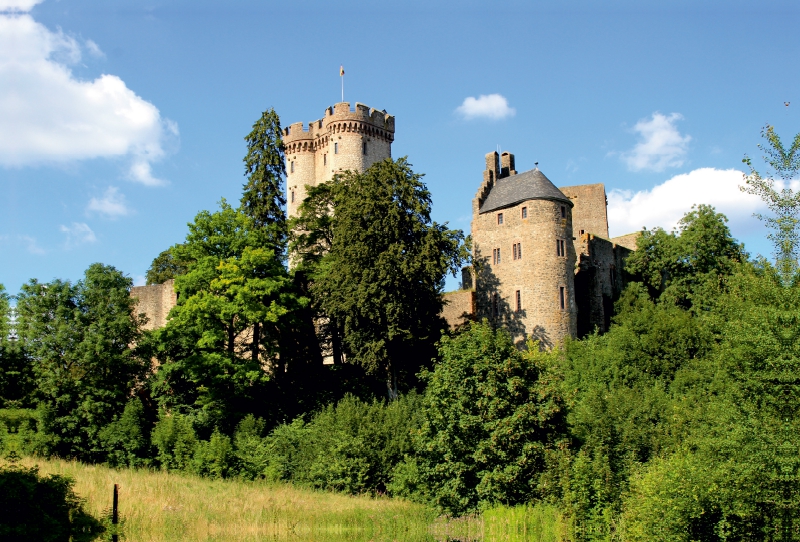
point(111, 204)
point(47, 115)
point(660, 145)
point(490, 106)
point(18, 5)
point(666, 203)
point(78, 233)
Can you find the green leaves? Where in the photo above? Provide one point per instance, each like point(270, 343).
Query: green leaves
point(79, 339)
point(376, 262)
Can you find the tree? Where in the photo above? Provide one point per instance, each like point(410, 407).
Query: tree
point(492, 415)
point(213, 365)
point(688, 265)
point(263, 199)
point(784, 202)
point(79, 338)
point(165, 267)
point(376, 266)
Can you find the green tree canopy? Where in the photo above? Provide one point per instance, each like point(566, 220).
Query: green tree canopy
point(377, 262)
point(79, 337)
point(213, 363)
point(263, 198)
point(165, 267)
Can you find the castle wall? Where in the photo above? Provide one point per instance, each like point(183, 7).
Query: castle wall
point(538, 275)
point(155, 301)
point(628, 240)
point(459, 307)
point(589, 213)
point(598, 282)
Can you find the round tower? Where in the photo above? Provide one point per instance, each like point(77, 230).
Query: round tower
point(524, 255)
point(342, 140)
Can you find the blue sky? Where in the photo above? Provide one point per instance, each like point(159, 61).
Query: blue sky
point(119, 121)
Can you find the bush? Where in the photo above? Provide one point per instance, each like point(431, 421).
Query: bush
point(175, 439)
point(33, 507)
point(352, 446)
point(126, 438)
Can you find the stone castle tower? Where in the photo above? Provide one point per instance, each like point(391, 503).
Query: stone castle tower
point(524, 256)
point(343, 139)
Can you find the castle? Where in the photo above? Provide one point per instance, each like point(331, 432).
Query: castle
point(543, 265)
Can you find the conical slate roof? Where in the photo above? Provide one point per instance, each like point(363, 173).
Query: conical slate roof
point(525, 186)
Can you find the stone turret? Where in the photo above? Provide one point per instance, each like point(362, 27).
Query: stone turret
point(343, 139)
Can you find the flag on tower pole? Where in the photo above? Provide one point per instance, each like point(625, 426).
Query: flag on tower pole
point(341, 74)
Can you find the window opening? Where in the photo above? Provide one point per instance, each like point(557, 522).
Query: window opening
point(365, 148)
point(335, 148)
point(496, 256)
point(325, 159)
point(519, 301)
point(292, 196)
point(563, 212)
point(561, 297)
point(499, 218)
point(292, 167)
point(560, 248)
point(524, 212)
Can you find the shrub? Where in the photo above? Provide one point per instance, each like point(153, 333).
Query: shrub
point(33, 507)
point(175, 439)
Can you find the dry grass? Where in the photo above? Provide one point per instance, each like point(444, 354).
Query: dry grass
point(157, 506)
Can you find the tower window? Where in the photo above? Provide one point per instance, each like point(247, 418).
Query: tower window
point(496, 256)
point(292, 196)
point(325, 159)
point(499, 218)
point(364, 148)
point(560, 248)
point(563, 212)
point(561, 299)
point(517, 252)
point(291, 167)
point(524, 212)
point(519, 300)
point(335, 148)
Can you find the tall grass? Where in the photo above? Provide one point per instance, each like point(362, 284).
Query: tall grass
point(157, 506)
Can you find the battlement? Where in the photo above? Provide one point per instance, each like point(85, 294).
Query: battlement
point(340, 118)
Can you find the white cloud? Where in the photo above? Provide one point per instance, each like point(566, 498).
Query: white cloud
point(78, 233)
point(18, 5)
point(47, 115)
point(94, 49)
point(660, 144)
point(666, 203)
point(31, 244)
point(491, 106)
point(111, 204)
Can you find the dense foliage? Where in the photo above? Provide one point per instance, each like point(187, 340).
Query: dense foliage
point(679, 423)
point(42, 508)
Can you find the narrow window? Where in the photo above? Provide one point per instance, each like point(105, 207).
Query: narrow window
point(498, 255)
point(335, 148)
point(563, 212)
point(560, 248)
point(364, 148)
point(292, 167)
point(292, 196)
point(561, 297)
point(524, 212)
point(325, 159)
point(514, 252)
point(583, 231)
point(519, 301)
point(519, 251)
point(499, 218)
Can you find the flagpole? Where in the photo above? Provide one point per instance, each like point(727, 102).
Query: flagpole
point(341, 76)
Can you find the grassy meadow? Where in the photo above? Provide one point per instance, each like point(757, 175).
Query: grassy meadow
point(158, 506)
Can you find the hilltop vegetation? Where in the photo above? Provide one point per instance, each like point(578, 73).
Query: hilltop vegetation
point(679, 423)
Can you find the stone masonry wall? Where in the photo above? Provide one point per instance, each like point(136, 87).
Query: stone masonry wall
point(459, 307)
point(598, 281)
point(332, 144)
point(628, 240)
point(589, 212)
point(538, 274)
point(155, 301)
